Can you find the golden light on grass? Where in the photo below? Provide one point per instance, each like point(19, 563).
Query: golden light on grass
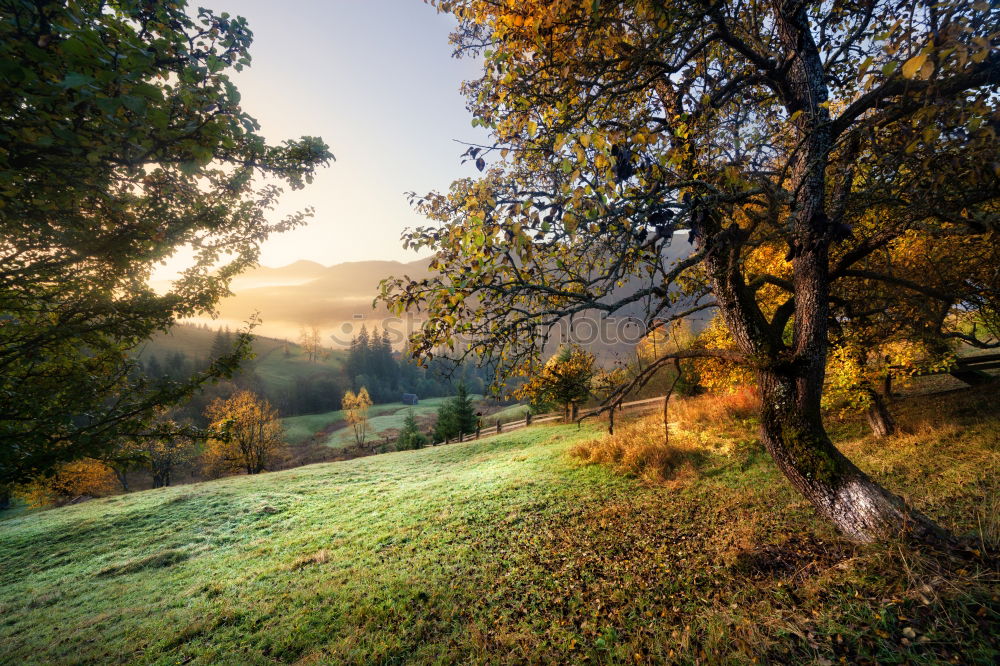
point(641, 448)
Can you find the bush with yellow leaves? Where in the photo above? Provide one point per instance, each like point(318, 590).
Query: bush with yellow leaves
point(81, 478)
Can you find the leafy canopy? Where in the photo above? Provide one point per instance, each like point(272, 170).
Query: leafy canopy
point(122, 140)
point(249, 435)
point(761, 132)
point(620, 128)
point(566, 379)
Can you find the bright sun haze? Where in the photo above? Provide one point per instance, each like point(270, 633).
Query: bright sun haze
point(384, 94)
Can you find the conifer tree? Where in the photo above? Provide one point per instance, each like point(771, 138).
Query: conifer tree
point(410, 436)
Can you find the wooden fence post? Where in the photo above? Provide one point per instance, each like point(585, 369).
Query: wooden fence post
point(498, 426)
point(478, 430)
point(527, 419)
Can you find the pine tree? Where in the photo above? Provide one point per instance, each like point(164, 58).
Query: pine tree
point(410, 436)
point(464, 410)
point(177, 366)
point(221, 344)
point(457, 416)
point(388, 368)
point(359, 359)
point(445, 427)
point(153, 368)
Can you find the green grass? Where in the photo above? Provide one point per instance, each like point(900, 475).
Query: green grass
point(387, 420)
point(383, 420)
point(506, 550)
point(300, 428)
point(192, 341)
point(506, 415)
point(280, 372)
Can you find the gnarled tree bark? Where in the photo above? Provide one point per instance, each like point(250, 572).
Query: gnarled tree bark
point(793, 433)
point(790, 378)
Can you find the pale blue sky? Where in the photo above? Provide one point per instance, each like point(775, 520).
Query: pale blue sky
point(375, 79)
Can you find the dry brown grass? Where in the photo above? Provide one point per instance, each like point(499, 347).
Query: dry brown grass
point(321, 556)
point(698, 425)
point(639, 449)
point(716, 408)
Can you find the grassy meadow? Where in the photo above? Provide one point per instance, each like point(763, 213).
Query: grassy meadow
point(300, 428)
point(384, 420)
point(514, 549)
point(505, 415)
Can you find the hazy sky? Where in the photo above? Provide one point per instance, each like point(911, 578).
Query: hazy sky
point(376, 80)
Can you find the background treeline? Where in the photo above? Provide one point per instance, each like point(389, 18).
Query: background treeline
point(371, 363)
point(296, 382)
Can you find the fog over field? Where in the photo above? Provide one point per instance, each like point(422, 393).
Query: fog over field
point(339, 299)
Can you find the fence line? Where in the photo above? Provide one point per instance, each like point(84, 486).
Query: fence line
point(372, 447)
point(510, 426)
point(968, 369)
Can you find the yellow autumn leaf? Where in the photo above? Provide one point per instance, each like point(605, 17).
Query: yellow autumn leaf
point(912, 66)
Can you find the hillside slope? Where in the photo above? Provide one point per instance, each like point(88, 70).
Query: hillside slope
point(384, 420)
point(278, 371)
point(506, 550)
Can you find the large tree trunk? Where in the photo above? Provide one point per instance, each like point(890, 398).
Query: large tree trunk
point(122, 477)
point(790, 377)
point(842, 493)
point(879, 418)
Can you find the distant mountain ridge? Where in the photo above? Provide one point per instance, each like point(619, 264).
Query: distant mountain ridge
point(350, 277)
point(306, 293)
point(338, 299)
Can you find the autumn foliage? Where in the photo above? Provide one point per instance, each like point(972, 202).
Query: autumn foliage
point(639, 449)
point(249, 435)
point(78, 479)
point(355, 406)
point(565, 380)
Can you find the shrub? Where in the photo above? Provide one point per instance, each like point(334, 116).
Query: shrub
point(729, 408)
point(410, 436)
point(81, 478)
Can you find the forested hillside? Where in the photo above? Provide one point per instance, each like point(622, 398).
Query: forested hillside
point(298, 381)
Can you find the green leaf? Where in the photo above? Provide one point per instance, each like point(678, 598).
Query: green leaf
point(76, 80)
